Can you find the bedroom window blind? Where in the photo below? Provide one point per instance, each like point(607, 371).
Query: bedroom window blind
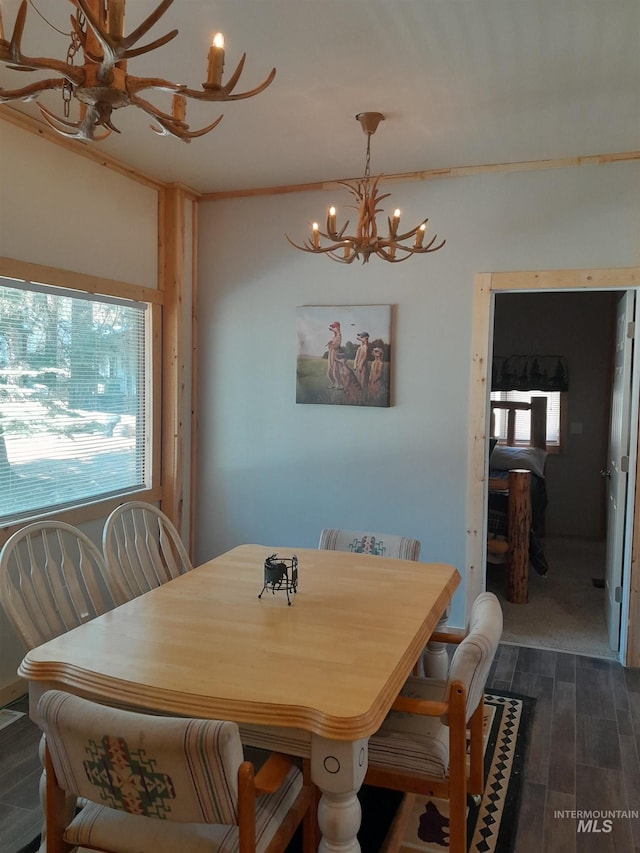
point(72, 397)
point(523, 422)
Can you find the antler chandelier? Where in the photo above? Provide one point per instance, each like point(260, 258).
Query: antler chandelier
point(101, 83)
point(366, 241)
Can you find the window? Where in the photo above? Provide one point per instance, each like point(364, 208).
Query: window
point(522, 432)
point(73, 423)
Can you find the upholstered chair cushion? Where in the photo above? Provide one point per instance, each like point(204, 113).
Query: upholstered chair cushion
point(473, 657)
point(419, 744)
point(415, 744)
point(359, 542)
point(182, 772)
point(434, 662)
point(108, 829)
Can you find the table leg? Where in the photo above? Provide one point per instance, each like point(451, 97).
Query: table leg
point(338, 769)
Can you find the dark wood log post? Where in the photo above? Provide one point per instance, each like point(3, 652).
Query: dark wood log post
point(519, 520)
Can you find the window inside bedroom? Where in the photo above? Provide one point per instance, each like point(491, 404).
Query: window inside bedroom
point(523, 420)
point(72, 397)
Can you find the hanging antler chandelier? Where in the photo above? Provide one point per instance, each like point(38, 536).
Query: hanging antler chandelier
point(101, 84)
point(366, 241)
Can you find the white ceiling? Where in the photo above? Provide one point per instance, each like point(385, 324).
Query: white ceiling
point(461, 83)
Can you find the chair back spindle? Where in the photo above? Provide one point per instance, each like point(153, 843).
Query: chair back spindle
point(142, 550)
point(52, 579)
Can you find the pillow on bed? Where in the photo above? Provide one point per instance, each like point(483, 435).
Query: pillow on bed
point(530, 458)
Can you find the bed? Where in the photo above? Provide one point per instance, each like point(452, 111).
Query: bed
point(518, 498)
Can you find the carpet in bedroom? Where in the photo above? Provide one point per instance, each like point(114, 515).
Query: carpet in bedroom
point(565, 610)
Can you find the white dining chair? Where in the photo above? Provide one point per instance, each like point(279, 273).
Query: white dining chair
point(142, 550)
point(52, 579)
point(434, 661)
point(164, 784)
point(421, 747)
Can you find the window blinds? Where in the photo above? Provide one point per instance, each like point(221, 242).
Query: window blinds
point(72, 425)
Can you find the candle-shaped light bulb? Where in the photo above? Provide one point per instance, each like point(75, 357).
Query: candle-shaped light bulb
point(331, 221)
point(216, 61)
point(315, 235)
point(420, 235)
point(179, 107)
point(395, 222)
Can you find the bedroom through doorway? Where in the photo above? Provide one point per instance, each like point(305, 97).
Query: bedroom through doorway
point(566, 603)
point(486, 287)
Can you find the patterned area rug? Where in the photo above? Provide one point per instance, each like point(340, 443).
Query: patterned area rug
point(423, 823)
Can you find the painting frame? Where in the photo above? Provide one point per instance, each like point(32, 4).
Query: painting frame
point(344, 355)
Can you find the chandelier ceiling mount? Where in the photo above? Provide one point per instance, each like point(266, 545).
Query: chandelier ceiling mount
point(101, 84)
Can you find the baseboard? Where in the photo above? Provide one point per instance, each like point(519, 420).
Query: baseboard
point(12, 691)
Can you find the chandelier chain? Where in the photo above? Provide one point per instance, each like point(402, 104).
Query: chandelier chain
point(367, 166)
point(72, 50)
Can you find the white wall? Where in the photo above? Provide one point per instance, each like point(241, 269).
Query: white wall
point(274, 472)
point(67, 212)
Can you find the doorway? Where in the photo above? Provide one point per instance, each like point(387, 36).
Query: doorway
point(566, 587)
point(488, 285)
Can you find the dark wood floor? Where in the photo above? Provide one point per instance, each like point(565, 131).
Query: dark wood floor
point(20, 769)
point(584, 749)
point(583, 756)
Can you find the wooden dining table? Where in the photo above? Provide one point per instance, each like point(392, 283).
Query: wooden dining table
point(314, 678)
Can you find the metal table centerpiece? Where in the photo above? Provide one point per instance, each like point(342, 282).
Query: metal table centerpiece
point(280, 573)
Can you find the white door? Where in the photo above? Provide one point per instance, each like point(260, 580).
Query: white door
point(617, 469)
